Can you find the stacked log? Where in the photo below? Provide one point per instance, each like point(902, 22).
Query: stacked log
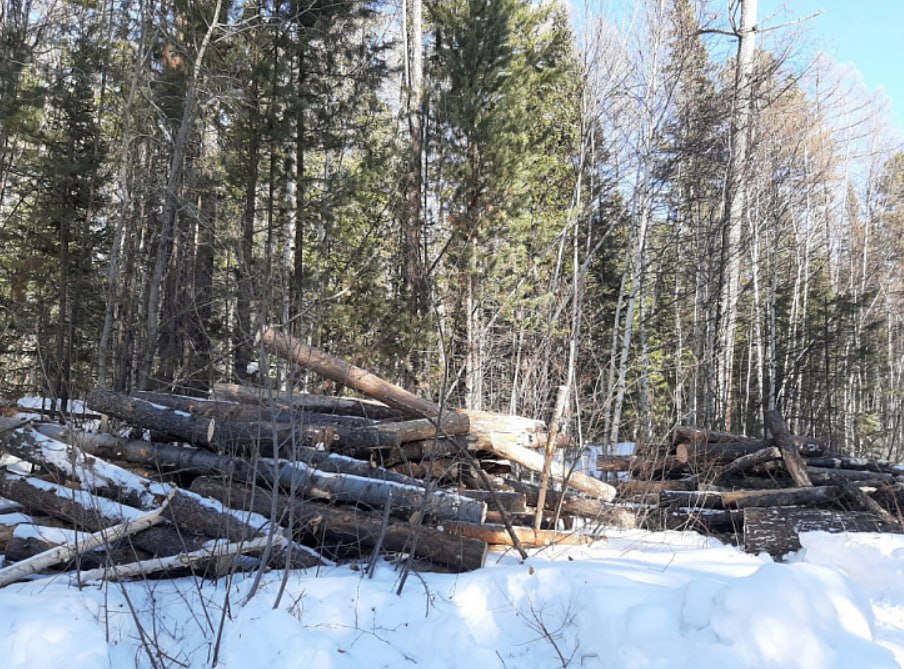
point(286, 480)
point(758, 493)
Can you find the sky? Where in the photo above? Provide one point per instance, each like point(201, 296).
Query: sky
point(868, 34)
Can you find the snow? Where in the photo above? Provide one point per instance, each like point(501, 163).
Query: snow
point(636, 601)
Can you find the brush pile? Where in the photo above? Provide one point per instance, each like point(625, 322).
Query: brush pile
point(759, 493)
point(253, 477)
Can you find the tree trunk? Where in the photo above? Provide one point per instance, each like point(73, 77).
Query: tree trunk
point(498, 535)
point(790, 453)
point(812, 495)
point(337, 370)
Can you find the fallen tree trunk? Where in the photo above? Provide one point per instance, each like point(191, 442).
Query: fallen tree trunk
point(846, 462)
point(337, 370)
point(748, 462)
point(831, 475)
point(777, 530)
point(615, 463)
point(345, 406)
point(354, 527)
point(498, 535)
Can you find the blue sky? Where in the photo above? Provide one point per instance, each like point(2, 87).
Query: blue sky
point(869, 34)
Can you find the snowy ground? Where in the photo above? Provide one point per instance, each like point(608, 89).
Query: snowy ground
point(638, 600)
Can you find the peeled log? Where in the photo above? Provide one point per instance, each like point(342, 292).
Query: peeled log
point(498, 535)
point(349, 375)
point(352, 526)
point(534, 461)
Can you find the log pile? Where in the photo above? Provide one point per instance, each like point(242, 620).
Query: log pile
point(254, 477)
point(759, 493)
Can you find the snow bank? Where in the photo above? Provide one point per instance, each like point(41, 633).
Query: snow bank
point(638, 601)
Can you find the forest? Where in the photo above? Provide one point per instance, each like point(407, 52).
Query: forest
point(666, 206)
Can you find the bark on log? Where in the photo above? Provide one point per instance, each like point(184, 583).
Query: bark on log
point(535, 461)
point(337, 370)
point(812, 496)
point(310, 481)
point(628, 489)
point(615, 463)
point(354, 527)
point(498, 535)
point(168, 457)
point(572, 505)
point(794, 463)
point(776, 530)
point(846, 462)
point(826, 475)
point(415, 451)
point(241, 412)
point(513, 502)
point(345, 406)
point(201, 556)
point(684, 434)
point(231, 436)
point(694, 499)
point(89, 512)
point(747, 462)
point(58, 554)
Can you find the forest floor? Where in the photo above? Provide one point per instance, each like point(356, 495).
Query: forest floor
point(636, 600)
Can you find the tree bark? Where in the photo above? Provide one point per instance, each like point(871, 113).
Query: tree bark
point(776, 530)
point(314, 403)
point(352, 527)
point(812, 496)
point(790, 453)
point(337, 370)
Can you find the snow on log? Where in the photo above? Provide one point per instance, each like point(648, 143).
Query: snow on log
point(353, 527)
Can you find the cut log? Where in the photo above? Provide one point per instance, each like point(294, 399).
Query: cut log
point(748, 462)
point(345, 406)
point(628, 489)
point(242, 412)
point(805, 496)
point(168, 457)
point(198, 557)
point(513, 502)
point(498, 535)
point(846, 462)
point(451, 424)
point(794, 463)
point(683, 434)
point(231, 436)
point(309, 481)
point(337, 370)
point(615, 463)
point(693, 499)
point(593, 510)
point(776, 530)
point(348, 526)
point(58, 554)
point(415, 451)
point(535, 461)
point(831, 475)
point(92, 513)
